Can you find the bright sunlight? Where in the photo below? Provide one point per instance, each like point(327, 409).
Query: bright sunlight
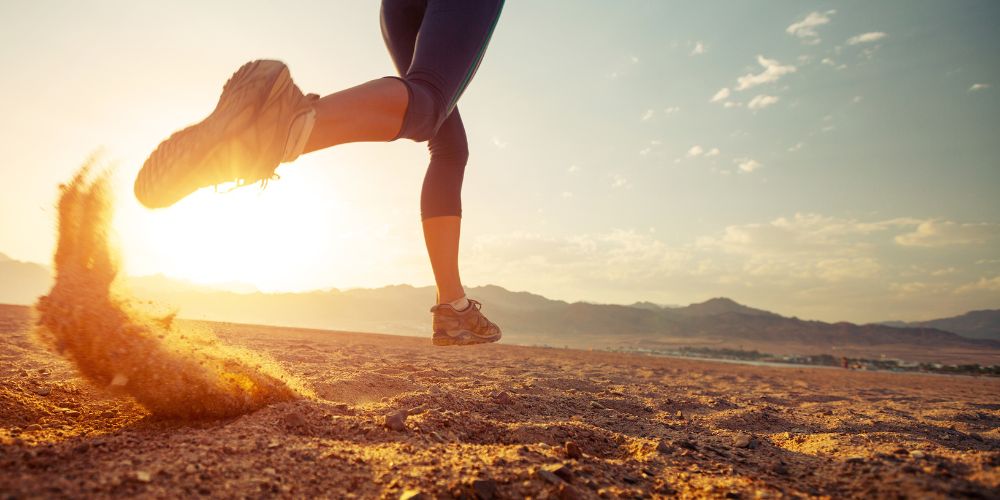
point(274, 239)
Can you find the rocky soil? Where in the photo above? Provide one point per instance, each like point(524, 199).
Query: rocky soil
point(395, 417)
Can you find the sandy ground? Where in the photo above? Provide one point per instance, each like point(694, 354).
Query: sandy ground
point(502, 422)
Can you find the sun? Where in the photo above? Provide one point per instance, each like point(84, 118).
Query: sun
point(268, 238)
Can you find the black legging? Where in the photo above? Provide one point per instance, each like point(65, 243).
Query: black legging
point(437, 46)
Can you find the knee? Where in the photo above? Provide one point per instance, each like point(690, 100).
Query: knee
point(425, 111)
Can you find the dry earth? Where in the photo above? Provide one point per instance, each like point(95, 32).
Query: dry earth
point(505, 422)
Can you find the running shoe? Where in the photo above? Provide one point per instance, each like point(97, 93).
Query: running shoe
point(262, 119)
point(466, 327)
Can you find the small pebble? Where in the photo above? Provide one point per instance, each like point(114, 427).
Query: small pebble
point(294, 420)
point(503, 398)
point(567, 492)
point(742, 441)
point(396, 421)
point(484, 489)
point(562, 470)
point(573, 450)
point(548, 476)
point(413, 495)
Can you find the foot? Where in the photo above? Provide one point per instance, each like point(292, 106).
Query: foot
point(262, 119)
point(466, 327)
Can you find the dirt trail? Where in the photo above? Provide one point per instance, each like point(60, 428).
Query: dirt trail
point(496, 420)
point(172, 371)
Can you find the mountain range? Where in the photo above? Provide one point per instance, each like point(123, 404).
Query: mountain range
point(983, 324)
point(533, 319)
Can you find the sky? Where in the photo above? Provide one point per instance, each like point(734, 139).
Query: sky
point(829, 160)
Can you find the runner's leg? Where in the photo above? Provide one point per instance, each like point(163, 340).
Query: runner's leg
point(453, 38)
point(441, 205)
point(417, 63)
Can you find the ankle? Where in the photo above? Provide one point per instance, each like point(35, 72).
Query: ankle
point(451, 294)
point(459, 304)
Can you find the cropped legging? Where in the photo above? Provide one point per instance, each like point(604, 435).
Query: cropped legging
point(436, 46)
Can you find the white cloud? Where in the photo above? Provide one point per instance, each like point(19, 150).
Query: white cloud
point(712, 152)
point(848, 268)
point(695, 150)
point(828, 62)
point(806, 264)
point(762, 101)
point(796, 147)
point(499, 143)
point(634, 59)
point(773, 70)
point(806, 27)
point(747, 165)
point(938, 233)
point(647, 115)
point(945, 271)
point(721, 95)
point(624, 259)
point(573, 169)
point(868, 52)
point(857, 99)
point(800, 249)
point(869, 37)
point(699, 48)
point(910, 288)
point(979, 86)
point(671, 109)
point(567, 194)
point(802, 232)
point(983, 285)
point(732, 104)
point(645, 151)
point(620, 181)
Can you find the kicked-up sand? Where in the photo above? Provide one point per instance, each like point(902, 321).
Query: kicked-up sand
point(173, 371)
point(393, 416)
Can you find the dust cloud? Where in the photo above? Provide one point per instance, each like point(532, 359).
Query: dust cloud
point(173, 371)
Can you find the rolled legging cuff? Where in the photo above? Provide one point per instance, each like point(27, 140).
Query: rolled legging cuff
point(425, 110)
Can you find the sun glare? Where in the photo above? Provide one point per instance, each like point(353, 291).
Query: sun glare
point(268, 238)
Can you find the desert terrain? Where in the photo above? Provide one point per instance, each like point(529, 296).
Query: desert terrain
point(396, 417)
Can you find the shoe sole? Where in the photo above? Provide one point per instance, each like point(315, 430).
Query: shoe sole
point(233, 115)
point(463, 337)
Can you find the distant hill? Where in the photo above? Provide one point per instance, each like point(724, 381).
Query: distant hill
point(22, 282)
point(533, 319)
point(721, 305)
point(973, 324)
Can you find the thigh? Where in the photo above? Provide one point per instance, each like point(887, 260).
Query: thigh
point(400, 22)
point(451, 42)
